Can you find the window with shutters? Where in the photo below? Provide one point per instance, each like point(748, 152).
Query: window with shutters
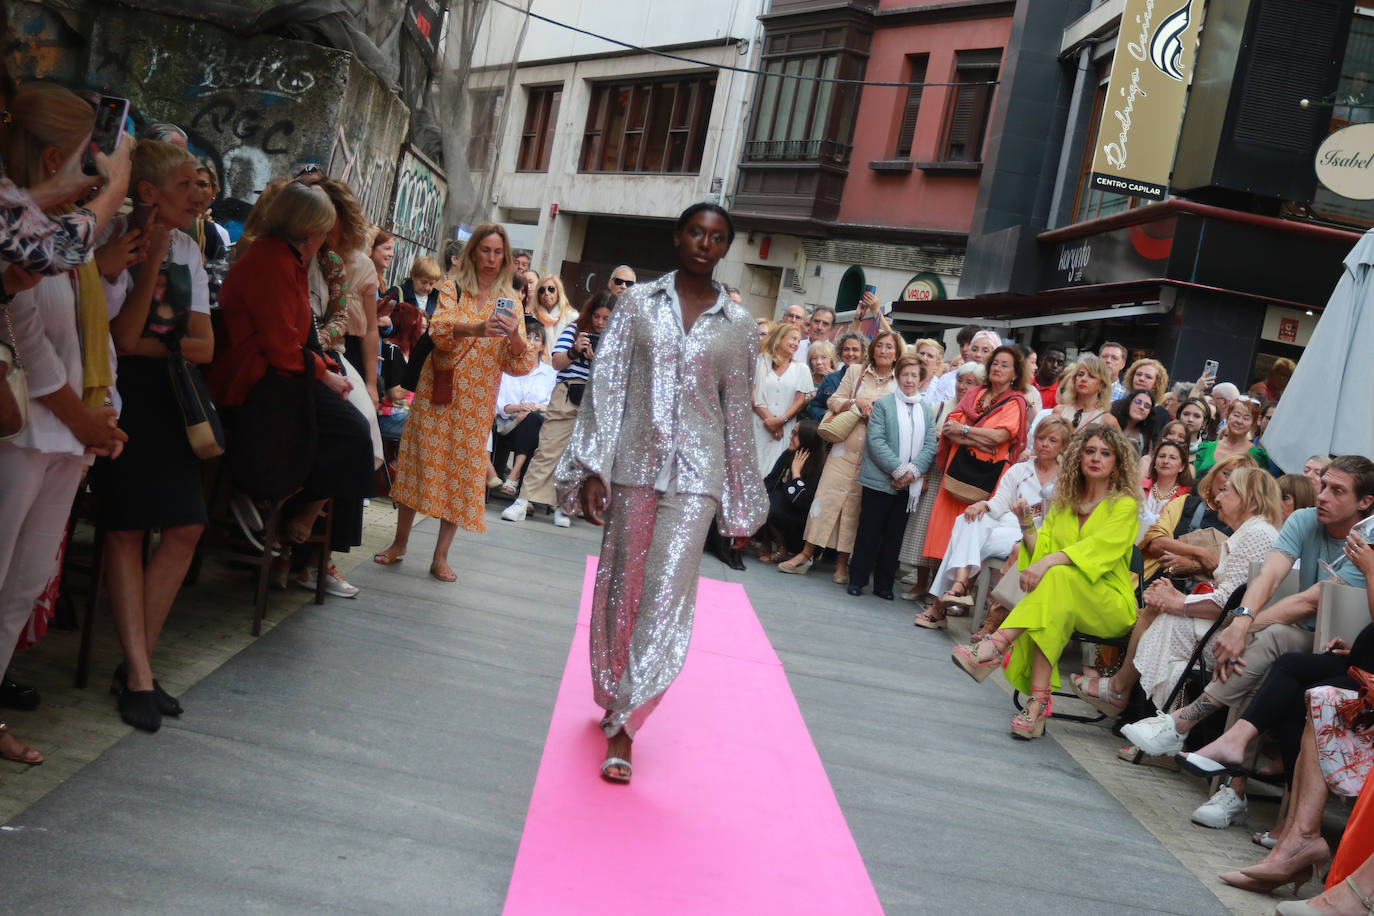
point(541, 118)
point(970, 104)
point(648, 126)
point(912, 104)
point(803, 109)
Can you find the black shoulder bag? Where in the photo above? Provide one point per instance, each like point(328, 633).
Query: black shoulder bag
point(968, 477)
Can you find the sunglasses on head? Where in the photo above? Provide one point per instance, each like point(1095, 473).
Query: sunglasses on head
point(619, 282)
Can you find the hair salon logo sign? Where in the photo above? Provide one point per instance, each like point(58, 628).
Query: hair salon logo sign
point(1345, 162)
point(1144, 107)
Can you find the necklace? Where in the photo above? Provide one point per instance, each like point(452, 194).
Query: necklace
point(1154, 493)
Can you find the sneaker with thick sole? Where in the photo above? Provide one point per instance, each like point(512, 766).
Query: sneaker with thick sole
point(334, 583)
point(516, 511)
point(560, 520)
point(1222, 810)
point(1155, 736)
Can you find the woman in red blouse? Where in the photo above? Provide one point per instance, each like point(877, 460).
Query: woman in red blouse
point(267, 321)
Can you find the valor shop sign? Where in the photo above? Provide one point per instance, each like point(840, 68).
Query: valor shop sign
point(1345, 162)
point(1141, 116)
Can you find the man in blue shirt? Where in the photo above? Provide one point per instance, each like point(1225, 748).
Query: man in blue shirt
point(1251, 642)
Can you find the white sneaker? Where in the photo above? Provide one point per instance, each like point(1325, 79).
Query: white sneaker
point(334, 583)
point(560, 520)
point(911, 578)
point(1155, 736)
point(1225, 809)
point(515, 512)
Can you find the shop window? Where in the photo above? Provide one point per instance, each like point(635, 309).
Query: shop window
point(1353, 103)
point(648, 126)
point(800, 115)
point(970, 105)
point(485, 115)
point(541, 119)
point(911, 106)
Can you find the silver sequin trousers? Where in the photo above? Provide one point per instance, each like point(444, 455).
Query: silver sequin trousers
point(646, 590)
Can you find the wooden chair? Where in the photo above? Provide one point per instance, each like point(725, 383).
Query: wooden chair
point(319, 537)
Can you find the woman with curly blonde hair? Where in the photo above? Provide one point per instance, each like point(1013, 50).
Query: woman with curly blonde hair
point(1075, 572)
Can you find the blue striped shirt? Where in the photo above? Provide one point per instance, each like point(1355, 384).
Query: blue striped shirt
point(576, 371)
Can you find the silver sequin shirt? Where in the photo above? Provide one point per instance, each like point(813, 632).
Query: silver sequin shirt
point(661, 404)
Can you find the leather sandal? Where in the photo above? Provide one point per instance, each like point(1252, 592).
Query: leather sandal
point(971, 660)
point(1026, 725)
point(961, 599)
point(1097, 692)
point(25, 754)
point(930, 620)
point(610, 762)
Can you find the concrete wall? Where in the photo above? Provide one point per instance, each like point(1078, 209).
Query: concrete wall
point(645, 23)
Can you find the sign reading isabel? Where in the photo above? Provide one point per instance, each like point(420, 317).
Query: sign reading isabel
point(1145, 95)
point(1345, 162)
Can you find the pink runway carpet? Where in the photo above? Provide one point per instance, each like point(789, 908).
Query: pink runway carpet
point(729, 810)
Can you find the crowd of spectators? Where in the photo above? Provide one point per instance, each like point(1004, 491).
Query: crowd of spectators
point(1117, 506)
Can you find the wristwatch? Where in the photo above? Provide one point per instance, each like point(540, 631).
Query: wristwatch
point(1244, 611)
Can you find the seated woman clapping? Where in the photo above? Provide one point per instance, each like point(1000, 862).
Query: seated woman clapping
point(1075, 572)
point(1172, 622)
point(791, 486)
point(989, 527)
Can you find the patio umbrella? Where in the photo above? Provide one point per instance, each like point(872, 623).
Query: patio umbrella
point(1326, 407)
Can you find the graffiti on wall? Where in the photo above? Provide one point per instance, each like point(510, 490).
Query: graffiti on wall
point(261, 108)
point(417, 216)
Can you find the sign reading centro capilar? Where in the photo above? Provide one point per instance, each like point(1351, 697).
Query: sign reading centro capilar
point(1143, 111)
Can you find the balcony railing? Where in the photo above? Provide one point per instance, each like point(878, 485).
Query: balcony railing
point(795, 151)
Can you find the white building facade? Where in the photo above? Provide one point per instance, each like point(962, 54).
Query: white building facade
point(603, 146)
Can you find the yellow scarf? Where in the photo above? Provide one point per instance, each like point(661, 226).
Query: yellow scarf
point(97, 374)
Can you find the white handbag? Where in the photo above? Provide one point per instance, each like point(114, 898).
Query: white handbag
point(16, 385)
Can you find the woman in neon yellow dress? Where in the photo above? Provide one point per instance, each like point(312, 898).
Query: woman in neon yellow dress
point(1075, 572)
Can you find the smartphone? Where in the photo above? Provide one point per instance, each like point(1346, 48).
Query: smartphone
point(143, 212)
point(108, 131)
point(507, 306)
point(1210, 368)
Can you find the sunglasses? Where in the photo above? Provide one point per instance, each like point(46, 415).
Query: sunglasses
point(619, 282)
point(548, 289)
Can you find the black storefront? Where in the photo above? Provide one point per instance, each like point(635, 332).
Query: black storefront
point(1182, 281)
point(1238, 264)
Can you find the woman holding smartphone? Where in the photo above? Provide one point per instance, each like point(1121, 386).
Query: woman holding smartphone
point(477, 336)
point(662, 445)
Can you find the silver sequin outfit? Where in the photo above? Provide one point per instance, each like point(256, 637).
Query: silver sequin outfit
point(666, 424)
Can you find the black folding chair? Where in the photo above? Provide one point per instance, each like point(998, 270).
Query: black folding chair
point(1119, 642)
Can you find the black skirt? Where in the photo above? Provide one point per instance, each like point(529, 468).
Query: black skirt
point(156, 480)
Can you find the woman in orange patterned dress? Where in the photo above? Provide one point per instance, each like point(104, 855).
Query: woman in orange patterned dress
point(443, 451)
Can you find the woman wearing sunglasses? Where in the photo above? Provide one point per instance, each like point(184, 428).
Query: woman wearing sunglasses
point(552, 308)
